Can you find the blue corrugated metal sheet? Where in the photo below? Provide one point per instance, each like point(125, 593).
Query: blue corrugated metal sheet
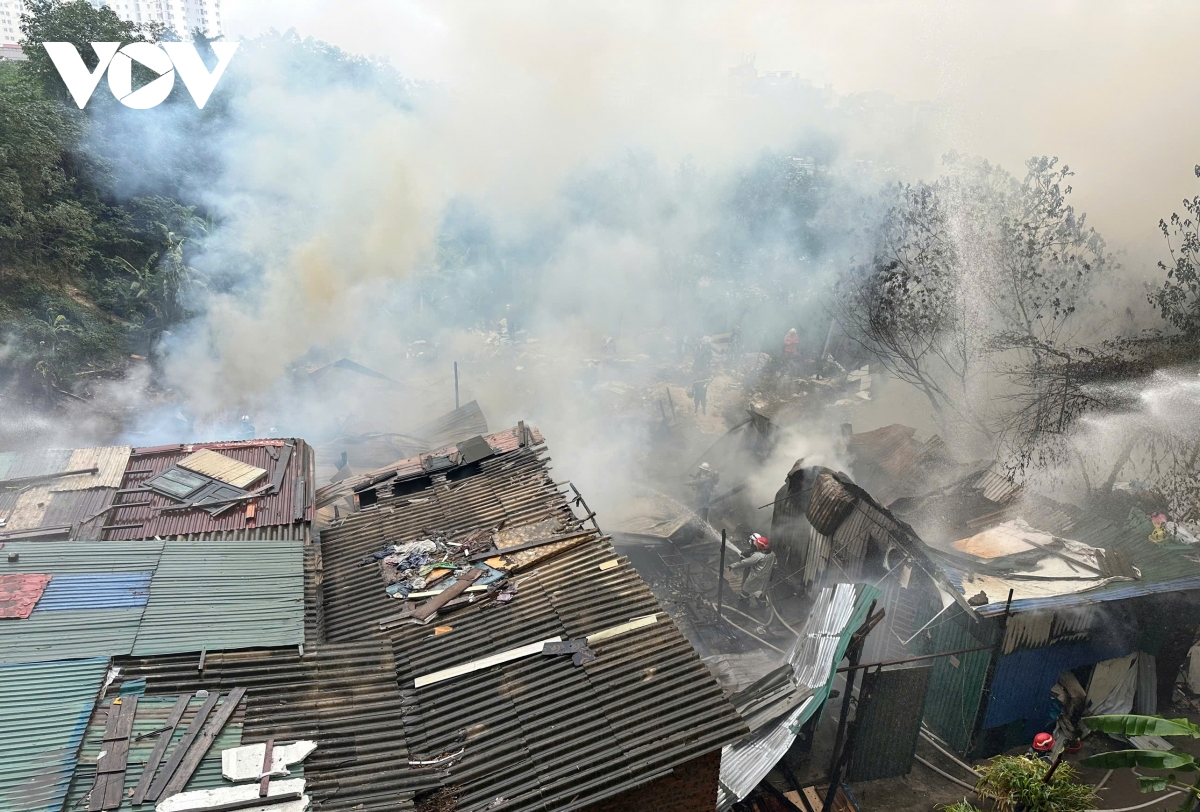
point(95, 591)
point(82, 628)
point(1021, 686)
point(44, 710)
point(224, 595)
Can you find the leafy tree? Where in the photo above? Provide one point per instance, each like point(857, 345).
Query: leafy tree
point(1172, 761)
point(1178, 300)
point(975, 272)
point(74, 21)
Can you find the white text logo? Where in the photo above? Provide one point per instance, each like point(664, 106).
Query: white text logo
point(164, 59)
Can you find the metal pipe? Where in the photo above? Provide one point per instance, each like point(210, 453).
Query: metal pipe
point(916, 659)
point(949, 755)
point(945, 774)
point(456, 384)
point(753, 636)
point(721, 574)
point(1140, 806)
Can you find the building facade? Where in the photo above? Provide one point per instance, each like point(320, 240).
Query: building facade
point(182, 16)
point(10, 21)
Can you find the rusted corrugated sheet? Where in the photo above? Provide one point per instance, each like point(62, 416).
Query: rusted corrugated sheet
point(829, 504)
point(141, 515)
point(344, 697)
point(502, 442)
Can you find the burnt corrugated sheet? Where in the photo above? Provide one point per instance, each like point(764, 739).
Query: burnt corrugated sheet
point(343, 696)
point(465, 421)
point(539, 732)
point(543, 733)
point(73, 505)
point(514, 488)
point(889, 723)
point(503, 442)
point(829, 504)
point(141, 515)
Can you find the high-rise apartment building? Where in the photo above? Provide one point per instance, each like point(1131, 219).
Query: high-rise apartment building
point(184, 16)
point(10, 21)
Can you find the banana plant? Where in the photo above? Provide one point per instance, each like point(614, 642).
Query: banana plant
point(1172, 761)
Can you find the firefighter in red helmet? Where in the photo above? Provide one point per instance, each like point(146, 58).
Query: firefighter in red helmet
point(1042, 746)
point(758, 561)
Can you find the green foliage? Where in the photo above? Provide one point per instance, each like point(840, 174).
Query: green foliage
point(1017, 782)
point(74, 21)
point(1133, 725)
point(1178, 300)
point(962, 806)
point(1146, 759)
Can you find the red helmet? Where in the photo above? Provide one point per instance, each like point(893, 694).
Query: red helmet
point(760, 542)
point(1043, 742)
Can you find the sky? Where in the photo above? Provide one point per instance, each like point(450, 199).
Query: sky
point(1100, 84)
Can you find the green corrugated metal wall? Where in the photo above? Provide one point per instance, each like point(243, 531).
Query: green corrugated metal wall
point(955, 689)
point(44, 709)
point(221, 595)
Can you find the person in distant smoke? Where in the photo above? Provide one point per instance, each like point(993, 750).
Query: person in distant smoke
point(705, 482)
point(791, 347)
point(759, 563)
point(700, 396)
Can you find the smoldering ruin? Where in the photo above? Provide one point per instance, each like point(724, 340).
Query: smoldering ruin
point(875, 462)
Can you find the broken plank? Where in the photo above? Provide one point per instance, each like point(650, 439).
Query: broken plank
point(199, 748)
point(100, 787)
point(265, 781)
point(110, 770)
point(425, 610)
point(283, 792)
point(160, 748)
point(189, 736)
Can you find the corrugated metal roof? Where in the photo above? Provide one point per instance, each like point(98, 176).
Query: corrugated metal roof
point(111, 460)
point(343, 696)
point(142, 515)
point(46, 636)
point(107, 590)
point(224, 595)
point(503, 442)
point(540, 733)
point(80, 632)
point(152, 713)
point(65, 503)
point(820, 646)
point(829, 503)
point(44, 709)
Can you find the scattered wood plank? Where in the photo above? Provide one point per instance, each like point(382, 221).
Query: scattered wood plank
point(425, 610)
point(187, 766)
point(516, 548)
point(160, 748)
point(109, 788)
point(189, 736)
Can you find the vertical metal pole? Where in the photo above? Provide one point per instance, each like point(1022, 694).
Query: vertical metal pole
point(721, 574)
point(456, 384)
